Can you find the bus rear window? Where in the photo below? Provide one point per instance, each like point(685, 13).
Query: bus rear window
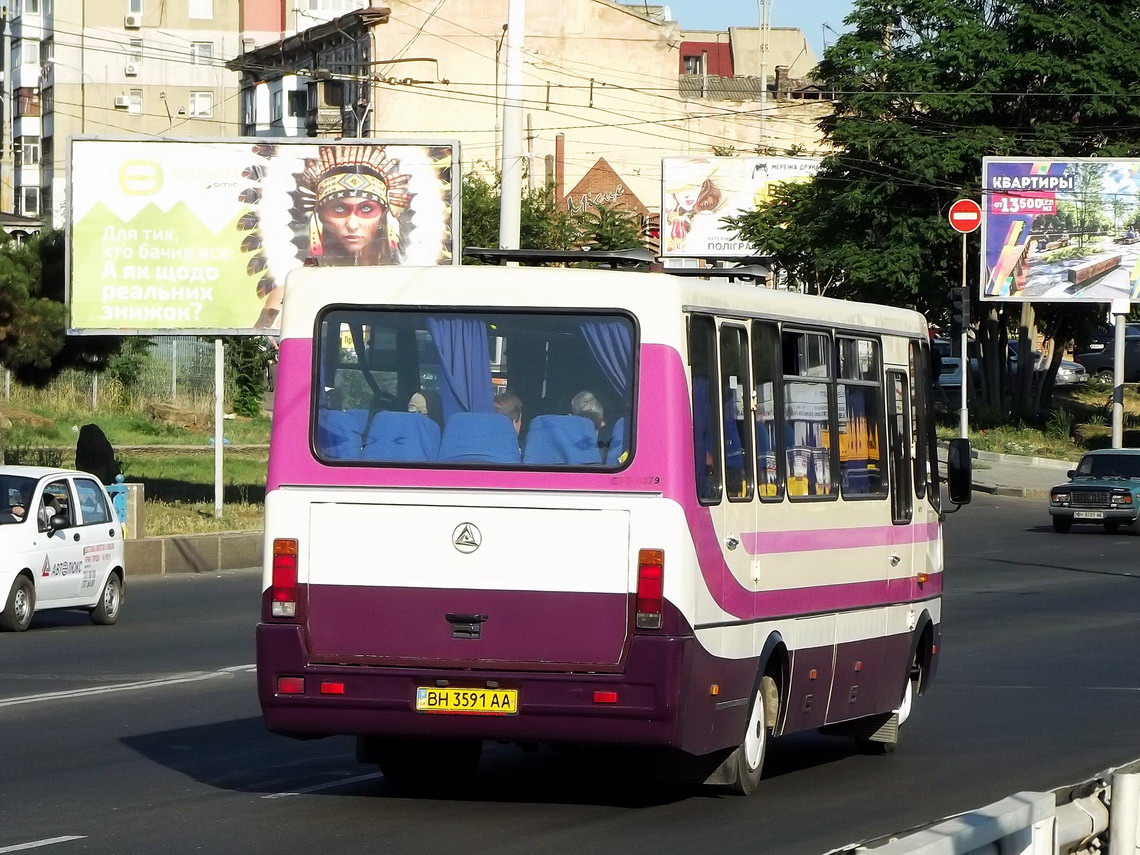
point(474, 389)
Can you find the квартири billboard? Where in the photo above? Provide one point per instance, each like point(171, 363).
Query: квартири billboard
point(199, 236)
point(1061, 230)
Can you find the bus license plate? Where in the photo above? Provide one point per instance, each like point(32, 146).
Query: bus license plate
point(1088, 515)
point(467, 701)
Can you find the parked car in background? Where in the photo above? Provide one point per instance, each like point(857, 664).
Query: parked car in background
point(1103, 490)
point(1099, 362)
point(61, 546)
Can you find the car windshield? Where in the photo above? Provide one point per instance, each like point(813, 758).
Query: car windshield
point(15, 494)
point(1109, 466)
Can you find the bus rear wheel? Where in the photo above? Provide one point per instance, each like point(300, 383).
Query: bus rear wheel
point(421, 764)
point(750, 754)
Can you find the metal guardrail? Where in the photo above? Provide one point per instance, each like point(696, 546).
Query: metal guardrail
point(1100, 816)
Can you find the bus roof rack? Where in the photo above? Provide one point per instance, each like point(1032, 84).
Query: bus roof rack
point(747, 273)
point(613, 257)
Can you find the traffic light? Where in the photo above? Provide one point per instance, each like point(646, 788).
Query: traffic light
point(959, 307)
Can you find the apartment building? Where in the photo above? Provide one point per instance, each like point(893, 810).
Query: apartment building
point(609, 88)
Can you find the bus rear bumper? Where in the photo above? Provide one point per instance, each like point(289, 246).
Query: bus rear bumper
point(552, 706)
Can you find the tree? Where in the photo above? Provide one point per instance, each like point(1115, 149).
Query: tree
point(611, 228)
point(33, 341)
point(247, 360)
point(924, 89)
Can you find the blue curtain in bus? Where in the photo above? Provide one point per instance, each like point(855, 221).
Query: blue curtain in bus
point(464, 363)
point(612, 345)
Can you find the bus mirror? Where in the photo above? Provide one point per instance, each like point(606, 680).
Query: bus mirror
point(959, 472)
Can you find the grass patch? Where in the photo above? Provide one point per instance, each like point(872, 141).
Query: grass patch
point(189, 478)
point(198, 517)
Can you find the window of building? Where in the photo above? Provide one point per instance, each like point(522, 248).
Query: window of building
point(18, 53)
point(275, 108)
point(31, 7)
point(27, 151)
point(27, 101)
point(860, 402)
point(767, 395)
point(706, 406)
point(136, 106)
point(134, 7)
point(298, 103)
point(202, 53)
point(30, 201)
point(48, 100)
point(45, 200)
point(201, 105)
point(135, 51)
point(692, 65)
point(201, 9)
point(47, 150)
point(248, 110)
point(807, 414)
point(47, 50)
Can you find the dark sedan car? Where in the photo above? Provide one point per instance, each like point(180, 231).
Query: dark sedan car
point(1103, 490)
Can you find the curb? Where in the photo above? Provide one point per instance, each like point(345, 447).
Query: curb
point(1017, 492)
point(1047, 462)
point(193, 553)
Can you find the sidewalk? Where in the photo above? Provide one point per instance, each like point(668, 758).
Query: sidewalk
point(1015, 475)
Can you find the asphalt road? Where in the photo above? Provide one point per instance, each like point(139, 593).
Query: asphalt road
point(146, 736)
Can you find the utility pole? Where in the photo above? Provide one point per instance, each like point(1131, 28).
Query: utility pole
point(510, 200)
point(764, 7)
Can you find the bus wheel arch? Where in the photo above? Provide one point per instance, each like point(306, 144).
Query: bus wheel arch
point(773, 679)
point(766, 701)
point(922, 653)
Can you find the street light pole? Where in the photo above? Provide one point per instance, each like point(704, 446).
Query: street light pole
point(510, 182)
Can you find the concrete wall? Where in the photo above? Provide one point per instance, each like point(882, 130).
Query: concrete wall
point(194, 553)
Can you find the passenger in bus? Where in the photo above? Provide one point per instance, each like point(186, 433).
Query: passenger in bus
point(510, 405)
point(418, 404)
point(587, 405)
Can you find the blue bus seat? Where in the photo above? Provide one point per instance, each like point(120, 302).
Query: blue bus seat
point(402, 437)
point(340, 433)
point(567, 440)
point(479, 438)
point(617, 443)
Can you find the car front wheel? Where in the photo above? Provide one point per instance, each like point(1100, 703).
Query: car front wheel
point(1062, 524)
point(17, 614)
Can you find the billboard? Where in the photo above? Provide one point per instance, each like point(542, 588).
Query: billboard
point(1061, 230)
point(198, 236)
point(697, 193)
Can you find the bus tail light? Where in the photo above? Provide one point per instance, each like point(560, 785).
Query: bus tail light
point(650, 587)
point(284, 577)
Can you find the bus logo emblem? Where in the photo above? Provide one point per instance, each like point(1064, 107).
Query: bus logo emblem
point(466, 537)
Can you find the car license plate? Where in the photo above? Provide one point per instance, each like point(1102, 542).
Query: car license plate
point(467, 701)
point(1088, 515)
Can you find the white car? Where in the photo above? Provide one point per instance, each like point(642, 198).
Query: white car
point(61, 546)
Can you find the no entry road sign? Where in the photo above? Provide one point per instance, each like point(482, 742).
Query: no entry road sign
point(965, 216)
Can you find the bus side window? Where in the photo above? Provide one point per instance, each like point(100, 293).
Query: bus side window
point(706, 406)
point(860, 398)
point(736, 402)
point(808, 414)
point(898, 429)
point(925, 443)
point(769, 420)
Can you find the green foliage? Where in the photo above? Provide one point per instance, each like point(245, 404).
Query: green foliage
point(1060, 424)
point(925, 90)
point(247, 360)
point(128, 364)
point(611, 228)
point(544, 223)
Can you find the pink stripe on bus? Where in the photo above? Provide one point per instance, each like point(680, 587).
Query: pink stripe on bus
point(763, 542)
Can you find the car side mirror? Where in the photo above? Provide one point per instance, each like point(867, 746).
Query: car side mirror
point(1071, 474)
point(57, 522)
point(959, 472)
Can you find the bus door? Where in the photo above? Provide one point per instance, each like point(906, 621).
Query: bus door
point(927, 546)
point(722, 438)
point(900, 451)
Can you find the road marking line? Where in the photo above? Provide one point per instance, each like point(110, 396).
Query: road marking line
point(36, 844)
point(176, 679)
point(328, 785)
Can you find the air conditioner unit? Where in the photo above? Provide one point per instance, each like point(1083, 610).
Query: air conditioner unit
point(132, 70)
point(132, 22)
point(122, 101)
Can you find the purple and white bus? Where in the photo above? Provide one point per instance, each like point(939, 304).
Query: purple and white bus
point(595, 507)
